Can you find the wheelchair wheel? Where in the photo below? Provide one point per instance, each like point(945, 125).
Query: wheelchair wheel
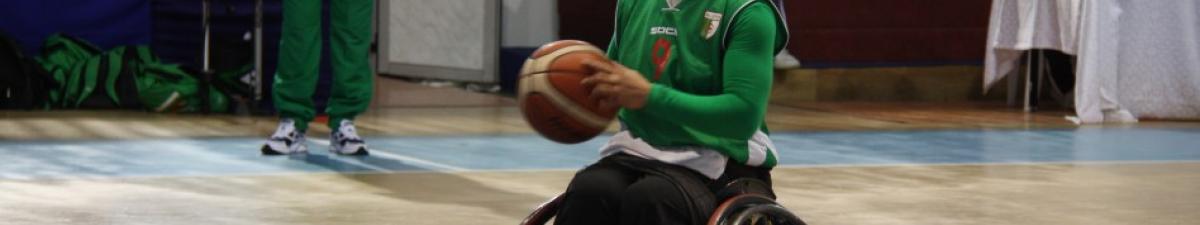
point(752, 209)
point(766, 214)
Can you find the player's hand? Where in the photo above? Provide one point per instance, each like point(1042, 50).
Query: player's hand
point(614, 85)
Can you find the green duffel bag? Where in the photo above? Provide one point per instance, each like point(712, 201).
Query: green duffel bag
point(169, 88)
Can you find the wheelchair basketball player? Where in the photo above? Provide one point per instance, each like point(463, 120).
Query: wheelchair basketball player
point(692, 79)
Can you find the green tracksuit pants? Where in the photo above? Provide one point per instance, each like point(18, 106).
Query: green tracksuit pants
point(300, 54)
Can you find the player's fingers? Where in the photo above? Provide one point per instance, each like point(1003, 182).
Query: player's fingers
point(601, 78)
point(601, 92)
point(588, 82)
point(599, 66)
point(595, 79)
point(626, 72)
point(607, 103)
point(611, 78)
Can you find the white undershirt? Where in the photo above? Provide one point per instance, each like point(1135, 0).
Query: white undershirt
point(703, 160)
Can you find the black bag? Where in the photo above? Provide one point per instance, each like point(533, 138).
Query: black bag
point(23, 83)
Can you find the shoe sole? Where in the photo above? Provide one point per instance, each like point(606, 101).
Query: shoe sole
point(266, 150)
point(360, 152)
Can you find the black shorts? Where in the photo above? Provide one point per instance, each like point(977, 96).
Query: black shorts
point(625, 189)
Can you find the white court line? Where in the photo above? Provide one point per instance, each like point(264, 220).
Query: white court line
point(393, 156)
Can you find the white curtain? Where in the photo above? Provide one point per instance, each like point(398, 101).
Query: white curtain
point(1135, 57)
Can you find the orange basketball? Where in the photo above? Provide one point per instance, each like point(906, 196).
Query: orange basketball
point(551, 97)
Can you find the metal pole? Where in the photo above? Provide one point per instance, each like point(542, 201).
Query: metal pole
point(206, 73)
point(258, 51)
point(1028, 79)
point(206, 34)
point(1041, 78)
point(1014, 82)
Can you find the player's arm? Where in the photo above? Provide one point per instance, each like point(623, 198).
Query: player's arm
point(741, 107)
point(736, 113)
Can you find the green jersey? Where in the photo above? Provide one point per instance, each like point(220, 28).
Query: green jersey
point(710, 62)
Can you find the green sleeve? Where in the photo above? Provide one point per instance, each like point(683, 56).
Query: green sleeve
point(747, 74)
point(617, 21)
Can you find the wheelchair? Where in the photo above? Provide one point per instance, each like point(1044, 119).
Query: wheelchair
point(744, 201)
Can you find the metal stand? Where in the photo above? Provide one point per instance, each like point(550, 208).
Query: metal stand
point(1032, 92)
point(206, 72)
point(1013, 85)
point(256, 78)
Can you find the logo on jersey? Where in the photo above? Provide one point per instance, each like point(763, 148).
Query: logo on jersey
point(712, 21)
point(664, 30)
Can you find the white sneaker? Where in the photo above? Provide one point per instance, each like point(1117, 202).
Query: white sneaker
point(1119, 116)
point(286, 140)
point(345, 140)
point(785, 60)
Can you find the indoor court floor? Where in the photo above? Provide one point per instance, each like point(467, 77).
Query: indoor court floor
point(465, 158)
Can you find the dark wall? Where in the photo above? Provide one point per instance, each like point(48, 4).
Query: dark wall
point(844, 33)
point(104, 23)
point(881, 32)
point(171, 27)
point(590, 21)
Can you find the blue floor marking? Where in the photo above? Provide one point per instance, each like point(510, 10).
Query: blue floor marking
point(983, 146)
point(240, 156)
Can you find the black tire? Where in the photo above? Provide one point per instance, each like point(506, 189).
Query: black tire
point(772, 213)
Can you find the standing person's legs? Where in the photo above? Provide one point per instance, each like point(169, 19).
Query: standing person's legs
point(299, 56)
point(296, 76)
point(353, 81)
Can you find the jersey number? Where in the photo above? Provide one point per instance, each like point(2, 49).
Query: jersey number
point(660, 54)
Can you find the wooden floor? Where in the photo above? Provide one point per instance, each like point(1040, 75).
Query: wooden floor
point(402, 108)
point(1121, 192)
point(499, 115)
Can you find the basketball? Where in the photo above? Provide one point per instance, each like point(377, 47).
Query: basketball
point(551, 97)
